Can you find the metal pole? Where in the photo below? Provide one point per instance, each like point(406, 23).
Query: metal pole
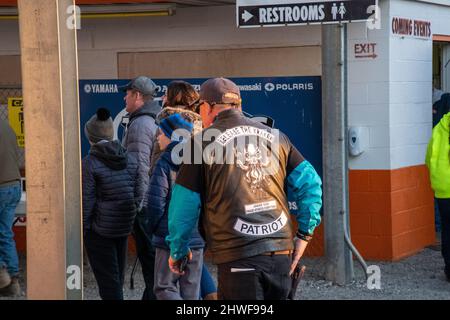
point(52, 150)
point(339, 259)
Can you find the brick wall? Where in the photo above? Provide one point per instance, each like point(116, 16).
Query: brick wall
point(392, 212)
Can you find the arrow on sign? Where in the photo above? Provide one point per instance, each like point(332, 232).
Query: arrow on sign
point(246, 16)
point(373, 56)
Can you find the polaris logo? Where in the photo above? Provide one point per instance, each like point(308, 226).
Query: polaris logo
point(269, 87)
point(101, 88)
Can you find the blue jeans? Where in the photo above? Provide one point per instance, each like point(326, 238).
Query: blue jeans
point(9, 198)
point(207, 285)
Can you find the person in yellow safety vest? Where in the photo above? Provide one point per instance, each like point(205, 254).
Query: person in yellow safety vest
point(438, 163)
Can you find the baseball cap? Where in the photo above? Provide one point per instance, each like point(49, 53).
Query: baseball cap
point(220, 91)
point(142, 84)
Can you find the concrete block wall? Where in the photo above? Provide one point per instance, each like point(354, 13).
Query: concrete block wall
point(391, 202)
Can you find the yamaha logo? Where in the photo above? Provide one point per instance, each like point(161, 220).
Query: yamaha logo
point(87, 88)
point(269, 87)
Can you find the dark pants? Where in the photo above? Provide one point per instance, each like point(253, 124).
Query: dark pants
point(444, 210)
point(107, 257)
point(146, 254)
point(255, 278)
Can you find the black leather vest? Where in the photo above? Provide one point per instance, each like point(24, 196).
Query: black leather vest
point(245, 208)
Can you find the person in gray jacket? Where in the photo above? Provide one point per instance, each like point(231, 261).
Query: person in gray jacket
point(138, 140)
point(10, 193)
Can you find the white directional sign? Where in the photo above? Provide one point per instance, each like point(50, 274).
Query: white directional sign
point(258, 13)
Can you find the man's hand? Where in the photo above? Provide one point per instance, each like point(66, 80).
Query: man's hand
point(175, 265)
point(300, 246)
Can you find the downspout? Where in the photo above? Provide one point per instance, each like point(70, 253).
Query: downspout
point(345, 155)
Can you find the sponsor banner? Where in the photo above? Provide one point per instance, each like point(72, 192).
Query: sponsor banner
point(293, 102)
point(15, 116)
point(253, 229)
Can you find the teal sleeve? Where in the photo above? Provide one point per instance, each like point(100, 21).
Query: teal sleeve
point(305, 185)
point(184, 211)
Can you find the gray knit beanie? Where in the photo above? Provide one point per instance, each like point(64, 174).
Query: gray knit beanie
point(100, 126)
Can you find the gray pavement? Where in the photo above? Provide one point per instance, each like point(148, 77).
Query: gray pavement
point(418, 277)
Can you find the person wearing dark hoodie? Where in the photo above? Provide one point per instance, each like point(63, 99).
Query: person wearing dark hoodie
point(110, 204)
point(169, 286)
point(138, 139)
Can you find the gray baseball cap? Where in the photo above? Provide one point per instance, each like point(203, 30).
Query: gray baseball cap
point(220, 91)
point(142, 84)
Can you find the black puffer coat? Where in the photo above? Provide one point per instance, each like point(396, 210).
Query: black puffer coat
point(110, 193)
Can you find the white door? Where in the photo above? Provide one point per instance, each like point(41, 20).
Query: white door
point(446, 68)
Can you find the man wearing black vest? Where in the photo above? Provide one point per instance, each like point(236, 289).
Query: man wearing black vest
point(238, 176)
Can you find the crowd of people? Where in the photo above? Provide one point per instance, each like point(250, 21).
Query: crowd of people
point(152, 185)
point(195, 175)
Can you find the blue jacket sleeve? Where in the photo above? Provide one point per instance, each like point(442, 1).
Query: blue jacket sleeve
point(89, 193)
point(157, 193)
point(305, 185)
point(184, 211)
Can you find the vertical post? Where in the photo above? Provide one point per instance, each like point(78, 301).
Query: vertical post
point(52, 150)
point(339, 259)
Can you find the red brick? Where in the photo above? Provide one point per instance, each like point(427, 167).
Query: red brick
point(374, 248)
point(400, 201)
point(360, 224)
point(358, 180)
point(405, 178)
point(380, 225)
point(380, 180)
point(402, 222)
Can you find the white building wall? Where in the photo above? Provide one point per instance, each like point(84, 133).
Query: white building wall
point(188, 29)
point(410, 73)
point(390, 97)
point(99, 40)
point(368, 90)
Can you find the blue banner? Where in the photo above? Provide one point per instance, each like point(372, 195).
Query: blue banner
point(293, 102)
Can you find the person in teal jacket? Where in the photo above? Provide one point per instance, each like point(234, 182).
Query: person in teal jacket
point(239, 193)
point(438, 163)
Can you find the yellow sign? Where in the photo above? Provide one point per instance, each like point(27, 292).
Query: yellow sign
point(15, 115)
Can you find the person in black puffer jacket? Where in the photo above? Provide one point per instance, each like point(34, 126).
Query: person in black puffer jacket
point(169, 286)
point(110, 202)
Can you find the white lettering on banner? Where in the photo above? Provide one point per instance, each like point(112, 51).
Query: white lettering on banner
point(101, 88)
point(252, 229)
point(288, 86)
point(235, 132)
point(251, 87)
point(260, 207)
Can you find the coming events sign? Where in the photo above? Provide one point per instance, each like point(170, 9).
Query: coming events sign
point(259, 13)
